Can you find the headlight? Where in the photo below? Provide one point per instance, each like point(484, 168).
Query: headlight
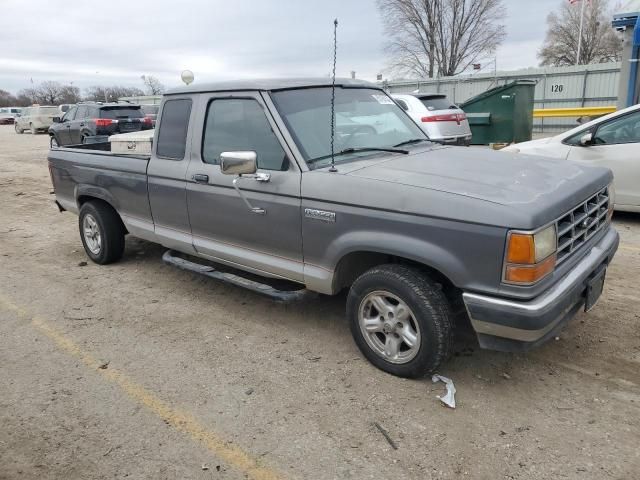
point(530, 256)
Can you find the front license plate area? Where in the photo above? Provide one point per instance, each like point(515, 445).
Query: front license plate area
point(594, 289)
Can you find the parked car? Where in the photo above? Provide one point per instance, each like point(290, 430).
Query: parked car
point(151, 112)
point(37, 118)
point(86, 120)
point(612, 141)
point(438, 116)
point(240, 186)
point(8, 115)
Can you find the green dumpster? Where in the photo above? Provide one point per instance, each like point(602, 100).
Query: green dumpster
point(502, 114)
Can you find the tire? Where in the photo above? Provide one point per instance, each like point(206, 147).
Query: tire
point(53, 142)
point(18, 129)
point(34, 131)
point(428, 322)
point(99, 223)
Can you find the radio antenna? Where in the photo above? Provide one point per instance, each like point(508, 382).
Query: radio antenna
point(333, 94)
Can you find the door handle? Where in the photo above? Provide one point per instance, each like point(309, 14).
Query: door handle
point(82, 124)
point(200, 178)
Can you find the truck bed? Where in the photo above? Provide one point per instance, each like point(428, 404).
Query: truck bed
point(93, 170)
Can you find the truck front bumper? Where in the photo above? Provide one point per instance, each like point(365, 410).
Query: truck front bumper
point(511, 325)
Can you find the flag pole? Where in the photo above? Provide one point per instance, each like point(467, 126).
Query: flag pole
point(580, 34)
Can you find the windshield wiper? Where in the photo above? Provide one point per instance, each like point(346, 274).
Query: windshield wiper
point(418, 140)
point(356, 150)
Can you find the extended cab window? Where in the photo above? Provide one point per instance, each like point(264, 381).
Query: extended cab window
point(241, 124)
point(174, 125)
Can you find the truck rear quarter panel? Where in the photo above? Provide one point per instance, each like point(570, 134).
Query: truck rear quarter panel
point(119, 181)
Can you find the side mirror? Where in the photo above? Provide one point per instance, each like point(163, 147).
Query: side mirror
point(243, 163)
point(238, 163)
point(56, 119)
point(586, 139)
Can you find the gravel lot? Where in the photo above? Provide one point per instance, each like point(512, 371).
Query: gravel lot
point(144, 371)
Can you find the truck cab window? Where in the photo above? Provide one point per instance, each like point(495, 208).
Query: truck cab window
point(240, 124)
point(172, 136)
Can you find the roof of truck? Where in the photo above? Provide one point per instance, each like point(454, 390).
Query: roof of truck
point(267, 84)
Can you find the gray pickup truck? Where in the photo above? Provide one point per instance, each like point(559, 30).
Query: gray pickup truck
point(241, 185)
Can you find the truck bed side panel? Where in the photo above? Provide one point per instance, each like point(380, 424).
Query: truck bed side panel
point(119, 180)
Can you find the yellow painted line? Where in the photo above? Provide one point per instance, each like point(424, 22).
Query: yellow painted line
point(181, 421)
point(572, 112)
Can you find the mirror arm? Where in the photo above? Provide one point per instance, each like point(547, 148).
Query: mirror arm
point(252, 209)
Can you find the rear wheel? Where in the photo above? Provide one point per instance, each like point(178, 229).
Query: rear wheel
point(400, 320)
point(102, 232)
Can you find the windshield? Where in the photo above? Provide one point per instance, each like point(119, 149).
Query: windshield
point(364, 118)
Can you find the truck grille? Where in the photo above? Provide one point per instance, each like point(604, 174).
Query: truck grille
point(581, 223)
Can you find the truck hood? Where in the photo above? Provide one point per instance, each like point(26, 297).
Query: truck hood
point(543, 188)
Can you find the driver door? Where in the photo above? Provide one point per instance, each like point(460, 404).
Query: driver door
point(223, 226)
point(615, 145)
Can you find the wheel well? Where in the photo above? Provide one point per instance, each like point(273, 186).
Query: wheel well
point(354, 264)
point(82, 199)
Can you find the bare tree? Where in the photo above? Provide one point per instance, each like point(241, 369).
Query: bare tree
point(69, 94)
point(153, 85)
point(443, 37)
point(49, 93)
point(101, 93)
point(27, 96)
point(600, 42)
point(7, 100)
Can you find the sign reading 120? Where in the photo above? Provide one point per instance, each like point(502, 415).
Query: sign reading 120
point(557, 88)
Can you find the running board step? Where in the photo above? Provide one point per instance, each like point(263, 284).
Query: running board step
point(171, 258)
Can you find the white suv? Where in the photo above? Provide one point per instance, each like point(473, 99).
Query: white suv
point(35, 118)
point(438, 117)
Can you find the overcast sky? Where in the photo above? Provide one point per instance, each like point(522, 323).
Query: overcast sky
point(115, 42)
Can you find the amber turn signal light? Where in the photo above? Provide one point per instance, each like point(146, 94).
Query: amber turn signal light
point(530, 273)
point(521, 249)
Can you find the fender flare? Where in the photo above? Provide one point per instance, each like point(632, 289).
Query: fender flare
point(83, 190)
point(415, 249)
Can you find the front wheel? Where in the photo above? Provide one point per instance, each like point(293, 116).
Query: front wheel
point(53, 143)
point(17, 128)
point(400, 320)
point(102, 232)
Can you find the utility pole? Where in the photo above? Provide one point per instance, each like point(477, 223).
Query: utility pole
point(580, 34)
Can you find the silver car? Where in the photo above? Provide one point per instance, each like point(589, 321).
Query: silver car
point(438, 116)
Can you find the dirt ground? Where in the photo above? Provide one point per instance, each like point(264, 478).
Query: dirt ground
point(141, 370)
